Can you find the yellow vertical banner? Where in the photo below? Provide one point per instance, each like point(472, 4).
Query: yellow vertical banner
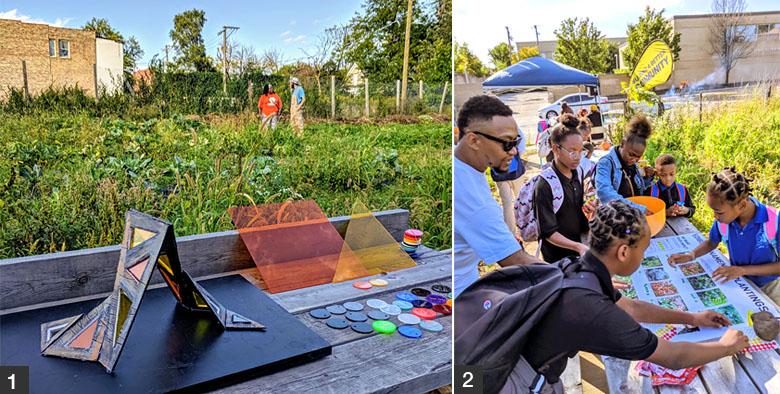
point(654, 67)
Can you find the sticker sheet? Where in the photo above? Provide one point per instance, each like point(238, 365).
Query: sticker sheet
point(690, 287)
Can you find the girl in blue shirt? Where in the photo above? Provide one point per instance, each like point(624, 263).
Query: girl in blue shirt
point(747, 227)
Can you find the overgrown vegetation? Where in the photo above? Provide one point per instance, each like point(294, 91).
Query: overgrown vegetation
point(66, 180)
point(744, 134)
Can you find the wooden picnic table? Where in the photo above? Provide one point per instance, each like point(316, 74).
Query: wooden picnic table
point(746, 373)
point(360, 363)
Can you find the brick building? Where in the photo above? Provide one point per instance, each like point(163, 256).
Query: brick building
point(43, 56)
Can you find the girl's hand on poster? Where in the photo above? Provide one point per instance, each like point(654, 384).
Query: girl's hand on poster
point(710, 319)
point(728, 273)
point(582, 249)
point(678, 258)
point(619, 284)
point(734, 340)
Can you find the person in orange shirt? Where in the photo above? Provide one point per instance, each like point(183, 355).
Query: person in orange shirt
point(269, 106)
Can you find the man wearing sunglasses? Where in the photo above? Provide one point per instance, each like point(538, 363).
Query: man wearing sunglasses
point(488, 139)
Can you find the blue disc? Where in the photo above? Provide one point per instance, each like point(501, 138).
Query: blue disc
point(410, 331)
point(405, 306)
point(404, 296)
point(422, 304)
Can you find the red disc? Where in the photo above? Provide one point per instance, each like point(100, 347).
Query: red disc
point(362, 285)
point(444, 309)
point(424, 313)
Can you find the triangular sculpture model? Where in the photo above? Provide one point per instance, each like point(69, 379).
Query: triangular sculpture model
point(100, 334)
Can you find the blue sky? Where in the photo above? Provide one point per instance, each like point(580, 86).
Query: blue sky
point(481, 23)
point(288, 26)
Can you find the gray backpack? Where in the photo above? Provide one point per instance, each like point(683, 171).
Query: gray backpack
point(496, 313)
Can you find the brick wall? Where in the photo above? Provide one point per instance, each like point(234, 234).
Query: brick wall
point(30, 42)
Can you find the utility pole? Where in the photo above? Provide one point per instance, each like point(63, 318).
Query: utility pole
point(537, 40)
point(405, 73)
point(224, 54)
point(165, 66)
point(508, 38)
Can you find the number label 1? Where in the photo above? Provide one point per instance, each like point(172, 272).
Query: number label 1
point(15, 379)
point(468, 379)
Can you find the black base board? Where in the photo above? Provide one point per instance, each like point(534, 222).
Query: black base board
point(168, 348)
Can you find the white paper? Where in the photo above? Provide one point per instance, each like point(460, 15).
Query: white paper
point(690, 287)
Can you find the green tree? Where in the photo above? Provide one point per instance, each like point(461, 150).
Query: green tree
point(188, 41)
point(651, 26)
point(131, 49)
point(375, 40)
point(582, 46)
point(501, 55)
point(524, 53)
point(467, 63)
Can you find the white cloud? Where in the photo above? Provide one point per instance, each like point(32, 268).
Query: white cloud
point(15, 15)
point(481, 24)
point(285, 34)
point(297, 38)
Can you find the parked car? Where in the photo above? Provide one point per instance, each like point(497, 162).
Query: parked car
point(575, 101)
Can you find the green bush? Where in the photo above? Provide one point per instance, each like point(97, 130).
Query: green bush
point(66, 180)
point(745, 135)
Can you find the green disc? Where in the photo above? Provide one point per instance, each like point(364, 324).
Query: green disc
point(383, 327)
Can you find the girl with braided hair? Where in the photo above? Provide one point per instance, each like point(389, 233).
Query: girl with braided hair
point(747, 227)
point(606, 323)
point(617, 174)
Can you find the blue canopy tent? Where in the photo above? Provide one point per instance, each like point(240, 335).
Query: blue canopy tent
point(538, 72)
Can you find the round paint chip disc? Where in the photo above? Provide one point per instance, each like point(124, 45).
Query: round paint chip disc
point(408, 318)
point(422, 304)
point(356, 316)
point(337, 323)
point(436, 299)
point(391, 309)
point(375, 303)
point(431, 326)
point(410, 332)
point(320, 313)
point(378, 315)
point(378, 282)
point(443, 309)
point(362, 285)
point(449, 295)
point(336, 309)
point(423, 313)
point(413, 232)
point(441, 289)
point(420, 292)
point(383, 327)
point(363, 328)
point(404, 296)
point(405, 306)
point(449, 303)
point(353, 306)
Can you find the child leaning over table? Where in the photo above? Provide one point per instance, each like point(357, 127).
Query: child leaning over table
point(675, 195)
point(747, 227)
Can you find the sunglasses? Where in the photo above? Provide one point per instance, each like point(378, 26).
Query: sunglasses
point(507, 145)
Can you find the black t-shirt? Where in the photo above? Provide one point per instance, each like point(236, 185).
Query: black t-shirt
point(595, 118)
point(569, 221)
point(671, 196)
point(628, 186)
point(582, 320)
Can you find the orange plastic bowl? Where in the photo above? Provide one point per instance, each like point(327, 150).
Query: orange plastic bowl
point(657, 207)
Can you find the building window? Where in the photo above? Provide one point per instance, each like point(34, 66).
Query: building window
point(64, 48)
point(52, 47)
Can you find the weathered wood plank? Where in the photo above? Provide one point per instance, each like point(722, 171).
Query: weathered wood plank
point(696, 386)
point(572, 376)
point(56, 276)
point(727, 375)
point(762, 368)
point(318, 296)
point(621, 377)
point(378, 364)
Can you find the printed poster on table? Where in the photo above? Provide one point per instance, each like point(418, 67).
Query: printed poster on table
point(690, 287)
